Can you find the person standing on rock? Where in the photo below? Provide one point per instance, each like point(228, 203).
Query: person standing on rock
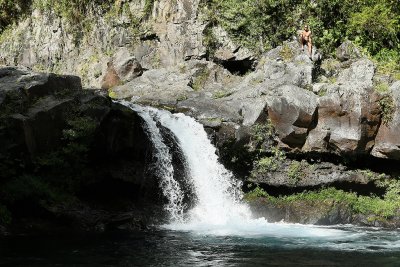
point(305, 39)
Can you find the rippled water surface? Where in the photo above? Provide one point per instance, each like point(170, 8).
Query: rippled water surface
point(352, 247)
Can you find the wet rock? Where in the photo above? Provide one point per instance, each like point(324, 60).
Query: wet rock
point(151, 87)
point(205, 109)
point(304, 212)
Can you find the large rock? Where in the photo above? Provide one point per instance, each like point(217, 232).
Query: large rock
point(289, 173)
point(292, 112)
point(387, 141)
point(35, 85)
point(159, 86)
point(287, 64)
point(122, 68)
point(228, 50)
point(347, 50)
point(348, 115)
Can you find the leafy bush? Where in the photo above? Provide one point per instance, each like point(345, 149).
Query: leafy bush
point(387, 107)
point(388, 62)
point(255, 193)
point(375, 27)
point(368, 205)
point(269, 164)
point(296, 172)
point(11, 10)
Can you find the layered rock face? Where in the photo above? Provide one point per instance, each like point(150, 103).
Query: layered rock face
point(71, 158)
point(168, 35)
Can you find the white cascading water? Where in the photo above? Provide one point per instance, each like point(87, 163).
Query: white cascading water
point(218, 193)
point(219, 209)
point(162, 163)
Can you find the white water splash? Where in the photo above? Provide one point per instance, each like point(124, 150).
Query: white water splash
point(162, 163)
point(218, 193)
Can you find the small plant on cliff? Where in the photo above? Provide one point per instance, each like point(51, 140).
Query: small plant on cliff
point(296, 172)
point(112, 94)
point(387, 107)
point(210, 41)
point(286, 53)
point(260, 133)
point(148, 7)
point(382, 88)
point(221, 94)
point(200, 79)
point(255, 193)
point(269, 164)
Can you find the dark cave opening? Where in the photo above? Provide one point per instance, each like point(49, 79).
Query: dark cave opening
point(237, 67)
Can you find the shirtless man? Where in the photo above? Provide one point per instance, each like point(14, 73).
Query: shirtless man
point(305, 39)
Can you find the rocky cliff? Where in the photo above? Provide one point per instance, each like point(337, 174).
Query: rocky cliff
point(280, 119)
point(71, 158)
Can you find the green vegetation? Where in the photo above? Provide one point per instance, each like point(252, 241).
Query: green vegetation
point(29, 187)
point(375, 26)
point(261, 25)
point(112, 94)
point(269, 164)
point(210, 41)
point(388, 62)
point(385, 207)
point(221, 94)
point(148, 6)
point(11, 10)
point(296, 171)
point(200, 79)
point(382, 87)
point(387, 106)
point(286, 53)
point(261, 132)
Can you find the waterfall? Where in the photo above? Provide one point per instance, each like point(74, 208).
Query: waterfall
point(162, 162)
point(217, 193)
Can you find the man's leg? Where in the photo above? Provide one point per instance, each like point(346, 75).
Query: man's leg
point(309, 45)
point(301, 43)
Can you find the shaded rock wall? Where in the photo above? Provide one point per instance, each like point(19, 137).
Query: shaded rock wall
point(71, 158)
